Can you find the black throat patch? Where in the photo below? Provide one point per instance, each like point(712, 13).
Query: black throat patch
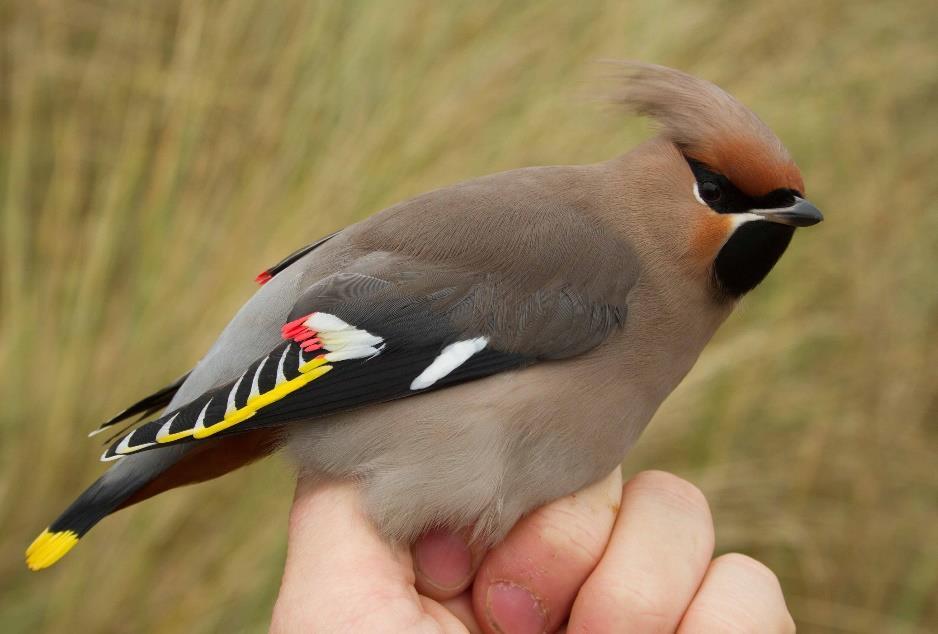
point(756, 245)
point(749, 255)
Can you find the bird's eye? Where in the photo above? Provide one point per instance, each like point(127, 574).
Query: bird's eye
point(710, 192)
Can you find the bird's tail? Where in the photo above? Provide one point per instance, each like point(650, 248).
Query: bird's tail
point(109, 493)
point(95, 503)
point(136, 477)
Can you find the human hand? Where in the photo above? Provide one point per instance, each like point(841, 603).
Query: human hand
point(606, 559)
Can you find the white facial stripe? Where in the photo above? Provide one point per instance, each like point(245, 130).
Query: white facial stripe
point(450, 358)
point(774, 210)
point(738, 220)
point(697, 195)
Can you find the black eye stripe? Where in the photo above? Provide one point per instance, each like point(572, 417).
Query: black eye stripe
point(775, 199)
point(732, 200)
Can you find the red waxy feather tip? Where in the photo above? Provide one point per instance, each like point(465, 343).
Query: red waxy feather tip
point(297, 322)
point(288, 333)
point(298, 331)
point(263, 277)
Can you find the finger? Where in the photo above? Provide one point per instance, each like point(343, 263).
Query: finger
point(448, 615)
point(461, 608)
point(658, 554)
point(338, 570)
point(445, 563)
point(738, 595)
point(528, 582)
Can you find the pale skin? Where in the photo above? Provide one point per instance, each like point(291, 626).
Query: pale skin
point(610, 558)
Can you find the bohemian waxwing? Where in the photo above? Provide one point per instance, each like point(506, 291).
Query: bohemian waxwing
point(479, 350)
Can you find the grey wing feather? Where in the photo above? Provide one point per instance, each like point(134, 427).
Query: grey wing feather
point(514, 257)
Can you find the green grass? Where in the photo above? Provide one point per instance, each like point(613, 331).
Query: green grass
point(155, 155)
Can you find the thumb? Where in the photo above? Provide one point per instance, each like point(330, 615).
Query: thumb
point(338, 569)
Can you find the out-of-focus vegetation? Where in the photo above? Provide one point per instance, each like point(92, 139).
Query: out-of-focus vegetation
point(155, 155)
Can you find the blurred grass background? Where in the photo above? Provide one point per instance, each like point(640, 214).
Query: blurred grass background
point(154, 156)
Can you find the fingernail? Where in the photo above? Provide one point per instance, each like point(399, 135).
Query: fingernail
point(443, 559)
point(514, 610)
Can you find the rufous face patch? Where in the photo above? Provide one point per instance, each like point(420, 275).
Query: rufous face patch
point(710, 233)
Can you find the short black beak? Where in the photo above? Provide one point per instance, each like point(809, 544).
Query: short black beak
point(801, 214)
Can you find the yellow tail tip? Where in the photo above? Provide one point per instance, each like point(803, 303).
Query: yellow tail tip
point(48, 548)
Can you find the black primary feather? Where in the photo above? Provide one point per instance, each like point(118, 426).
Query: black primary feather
point(148, 405)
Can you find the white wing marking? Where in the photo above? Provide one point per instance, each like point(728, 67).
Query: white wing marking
point(450, 358)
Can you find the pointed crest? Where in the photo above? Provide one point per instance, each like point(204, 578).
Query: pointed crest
point(711, 126)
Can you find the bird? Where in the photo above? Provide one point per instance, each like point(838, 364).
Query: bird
point(472, 353)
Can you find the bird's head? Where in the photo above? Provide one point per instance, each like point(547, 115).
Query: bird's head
point(733, 194)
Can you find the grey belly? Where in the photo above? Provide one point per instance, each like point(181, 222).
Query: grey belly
point(480, 454)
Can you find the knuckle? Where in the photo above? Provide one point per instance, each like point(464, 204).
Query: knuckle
point(667, 486)
point(643, 609)
point(753, 602)
point(732, 619)
point(753, 569)
point(565, 532)
point(719, 620)
point(579, 525)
